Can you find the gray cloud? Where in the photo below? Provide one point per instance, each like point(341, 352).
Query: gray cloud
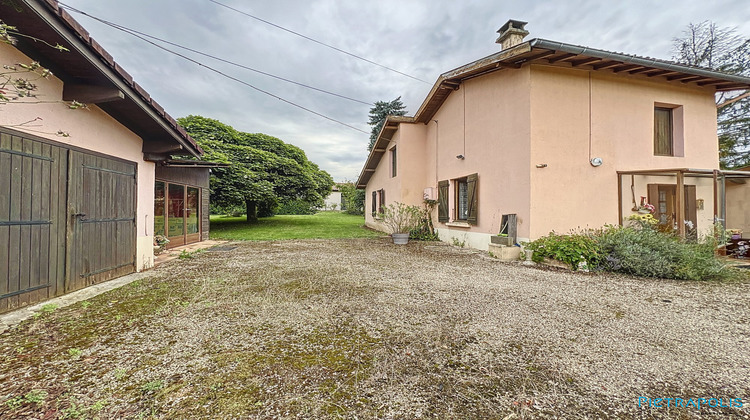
point(423, 38)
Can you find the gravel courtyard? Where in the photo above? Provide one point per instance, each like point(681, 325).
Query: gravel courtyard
point(362, 328)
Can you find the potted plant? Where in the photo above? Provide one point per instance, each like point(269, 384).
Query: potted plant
point(400, 219)
point(160, 244)
point(646, 208)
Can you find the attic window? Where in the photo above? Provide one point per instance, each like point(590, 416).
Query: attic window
point(663, 132)
point(669, 130)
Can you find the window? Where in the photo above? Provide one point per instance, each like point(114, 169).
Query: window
point(378, 202)
point(177, 212)
point(663, 132)
point(159, 196)
point(393, 162)
point(465, 194)
point(462, 199)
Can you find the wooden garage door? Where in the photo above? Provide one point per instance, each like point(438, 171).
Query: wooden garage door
point(101, 197)
point(33, 178)
point(67, 220)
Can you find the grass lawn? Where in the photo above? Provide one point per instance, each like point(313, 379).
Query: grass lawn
point(325, 225)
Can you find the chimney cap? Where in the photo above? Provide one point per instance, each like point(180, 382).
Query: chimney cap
point(514, 24)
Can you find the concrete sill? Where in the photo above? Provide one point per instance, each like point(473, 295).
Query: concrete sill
point(458, 224)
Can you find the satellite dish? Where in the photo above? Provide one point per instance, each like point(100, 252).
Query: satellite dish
point(596, 162)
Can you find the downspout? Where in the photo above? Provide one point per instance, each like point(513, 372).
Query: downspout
point(437, 138)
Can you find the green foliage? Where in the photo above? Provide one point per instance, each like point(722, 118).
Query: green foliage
point(571, 249)
point(636, 250)
point(49, 308)
point(649, 253)
point(352, 199)
point(74, 353)
point(458, 243)
point(296, 207)
point(36, 396)
point(186, 255)
point(379, 113)
point(151, 387)
point(401, 218)
point(424, 230)
point(264, 171)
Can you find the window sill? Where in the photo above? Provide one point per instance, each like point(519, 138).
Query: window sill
point(458, 224)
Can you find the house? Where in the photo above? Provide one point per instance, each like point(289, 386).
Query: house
point(545, 136)
point(78, 186)
point(333, 201)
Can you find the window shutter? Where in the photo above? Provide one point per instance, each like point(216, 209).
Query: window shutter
point(471, 183)
point(381, 208)
point(443, 201)
point(374, 202)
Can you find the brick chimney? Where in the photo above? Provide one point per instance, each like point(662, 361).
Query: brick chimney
point(511, 34)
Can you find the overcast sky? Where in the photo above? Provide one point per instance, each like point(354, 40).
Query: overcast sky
point(421, 38)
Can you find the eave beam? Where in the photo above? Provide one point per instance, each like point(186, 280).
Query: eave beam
point(89, 94)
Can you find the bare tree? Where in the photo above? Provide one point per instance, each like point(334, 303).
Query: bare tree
point(722, 49)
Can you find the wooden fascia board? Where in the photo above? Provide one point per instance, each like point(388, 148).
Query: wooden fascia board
point(457, 73)
point(88, 94)
point(53, 21)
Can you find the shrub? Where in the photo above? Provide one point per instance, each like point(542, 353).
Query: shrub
point(638, 250)
point(572, 249)
point(648, 253)
point(400, 218)
point(424, 230)
point(296, 207)
point(352, 199)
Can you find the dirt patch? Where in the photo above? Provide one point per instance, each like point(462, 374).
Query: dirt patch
point(367, 329)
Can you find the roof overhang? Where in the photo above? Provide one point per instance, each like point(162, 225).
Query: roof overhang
point(690, 172)
point(390, 126)
point(90, 73)
point(553, 53)
point(186, 163)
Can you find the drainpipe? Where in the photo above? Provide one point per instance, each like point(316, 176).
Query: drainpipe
point(681, 204)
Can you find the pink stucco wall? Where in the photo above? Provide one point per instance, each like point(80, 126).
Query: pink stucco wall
point(580, 114)
point(90, 129)
point(487, 121)
point(530, 133)
point(738, 207)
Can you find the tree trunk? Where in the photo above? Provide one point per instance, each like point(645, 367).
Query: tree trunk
point(251, 209)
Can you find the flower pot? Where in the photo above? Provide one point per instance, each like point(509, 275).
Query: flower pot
point(400, 238)
point(644, 211)
point(736, 236)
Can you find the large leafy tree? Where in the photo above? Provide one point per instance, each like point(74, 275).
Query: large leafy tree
point(264, 171)
point(706, 45)
point(378, 114)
